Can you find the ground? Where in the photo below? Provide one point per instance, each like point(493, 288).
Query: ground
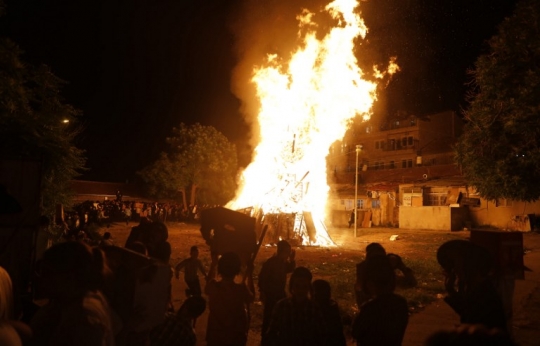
point(337, 265)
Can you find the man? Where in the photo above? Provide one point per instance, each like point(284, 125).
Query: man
point(273, 278)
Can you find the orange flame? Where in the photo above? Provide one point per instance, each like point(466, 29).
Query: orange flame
point(305, 106)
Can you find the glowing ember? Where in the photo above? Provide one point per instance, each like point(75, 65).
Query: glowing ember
point(305, 106)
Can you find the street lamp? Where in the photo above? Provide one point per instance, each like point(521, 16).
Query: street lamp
point(358, 149)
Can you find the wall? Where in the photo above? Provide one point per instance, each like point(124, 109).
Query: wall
point(514, 217)
point(436, 218)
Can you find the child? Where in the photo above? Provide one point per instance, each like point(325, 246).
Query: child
point(228, 301)
point(322, 295)
point(191, 267)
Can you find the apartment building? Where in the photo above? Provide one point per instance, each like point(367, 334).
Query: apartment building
point(405, 150)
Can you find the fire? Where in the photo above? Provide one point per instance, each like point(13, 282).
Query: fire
point(305, 106)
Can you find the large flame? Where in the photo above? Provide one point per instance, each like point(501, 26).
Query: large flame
point(305, 106)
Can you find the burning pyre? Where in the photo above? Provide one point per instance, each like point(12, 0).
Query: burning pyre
point(306, 104)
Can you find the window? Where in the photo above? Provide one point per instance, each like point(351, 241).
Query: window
point(391, 165)
point(375, 203)
point(436, 199)
point(404, 164)
point(383, 145)
point(404, 141)
point(392, 144)
point(409, 163)
point(360, 204)
point(410, 140)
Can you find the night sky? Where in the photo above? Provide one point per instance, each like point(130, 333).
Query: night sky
point(137, 68)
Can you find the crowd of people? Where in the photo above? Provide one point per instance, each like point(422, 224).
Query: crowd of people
point(121, 295)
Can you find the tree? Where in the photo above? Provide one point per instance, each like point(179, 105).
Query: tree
point(35, 123)
point(499, 150)
point(200, 160)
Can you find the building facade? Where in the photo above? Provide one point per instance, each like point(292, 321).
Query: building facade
point(406, 150)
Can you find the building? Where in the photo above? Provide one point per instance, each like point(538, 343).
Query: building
point(406, 150)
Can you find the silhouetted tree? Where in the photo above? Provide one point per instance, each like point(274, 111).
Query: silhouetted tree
point(35, 123)
point(499, 151)
point(200, 160)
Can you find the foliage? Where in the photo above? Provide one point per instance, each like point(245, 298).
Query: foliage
point(500, 149)
point(32, 116)
point(197, 156)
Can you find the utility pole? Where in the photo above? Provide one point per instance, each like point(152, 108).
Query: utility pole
point(358, 149)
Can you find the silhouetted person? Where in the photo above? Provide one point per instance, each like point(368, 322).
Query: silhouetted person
point(273, 278)
point(228, 301)
point(322, 295)
point(471, 292)
point(405, 279)
point(351, 218)
point(191, 267)
point(383, 319)
point(72, 276)
point(178, 328)
point(297, 320)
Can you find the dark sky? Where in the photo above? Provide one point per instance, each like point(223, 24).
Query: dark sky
point(137, 68)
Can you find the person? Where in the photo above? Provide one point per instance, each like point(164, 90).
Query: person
point(12, 331)
point(351, 218)
point(106, 240)
point(228, 302)
point(322, 295)
point(383, 319)
point(471, 292)
point(127, 214)
point(297, 320)
point(178, 328)
point(273, 279)
point(191, 266)
point(406, 274)
point(372, 249)
point(72, 276)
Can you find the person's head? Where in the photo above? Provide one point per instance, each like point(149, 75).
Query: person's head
point(300, 283)
point(107, 235)
point(374, 249)
point(229, 265)
point(283, 249)
point(193, 307)
point(6, 295)
point(72, 268)
point(322, 292)
point(380, 277)
point(194, 251)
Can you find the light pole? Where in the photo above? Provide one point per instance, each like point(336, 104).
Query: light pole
point(358, 149)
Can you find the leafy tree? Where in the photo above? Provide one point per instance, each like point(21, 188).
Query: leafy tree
point(35, 123)
point(500, 149)
point(199, 160)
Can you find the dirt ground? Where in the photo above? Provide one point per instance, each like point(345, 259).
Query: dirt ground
point(412, 245)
